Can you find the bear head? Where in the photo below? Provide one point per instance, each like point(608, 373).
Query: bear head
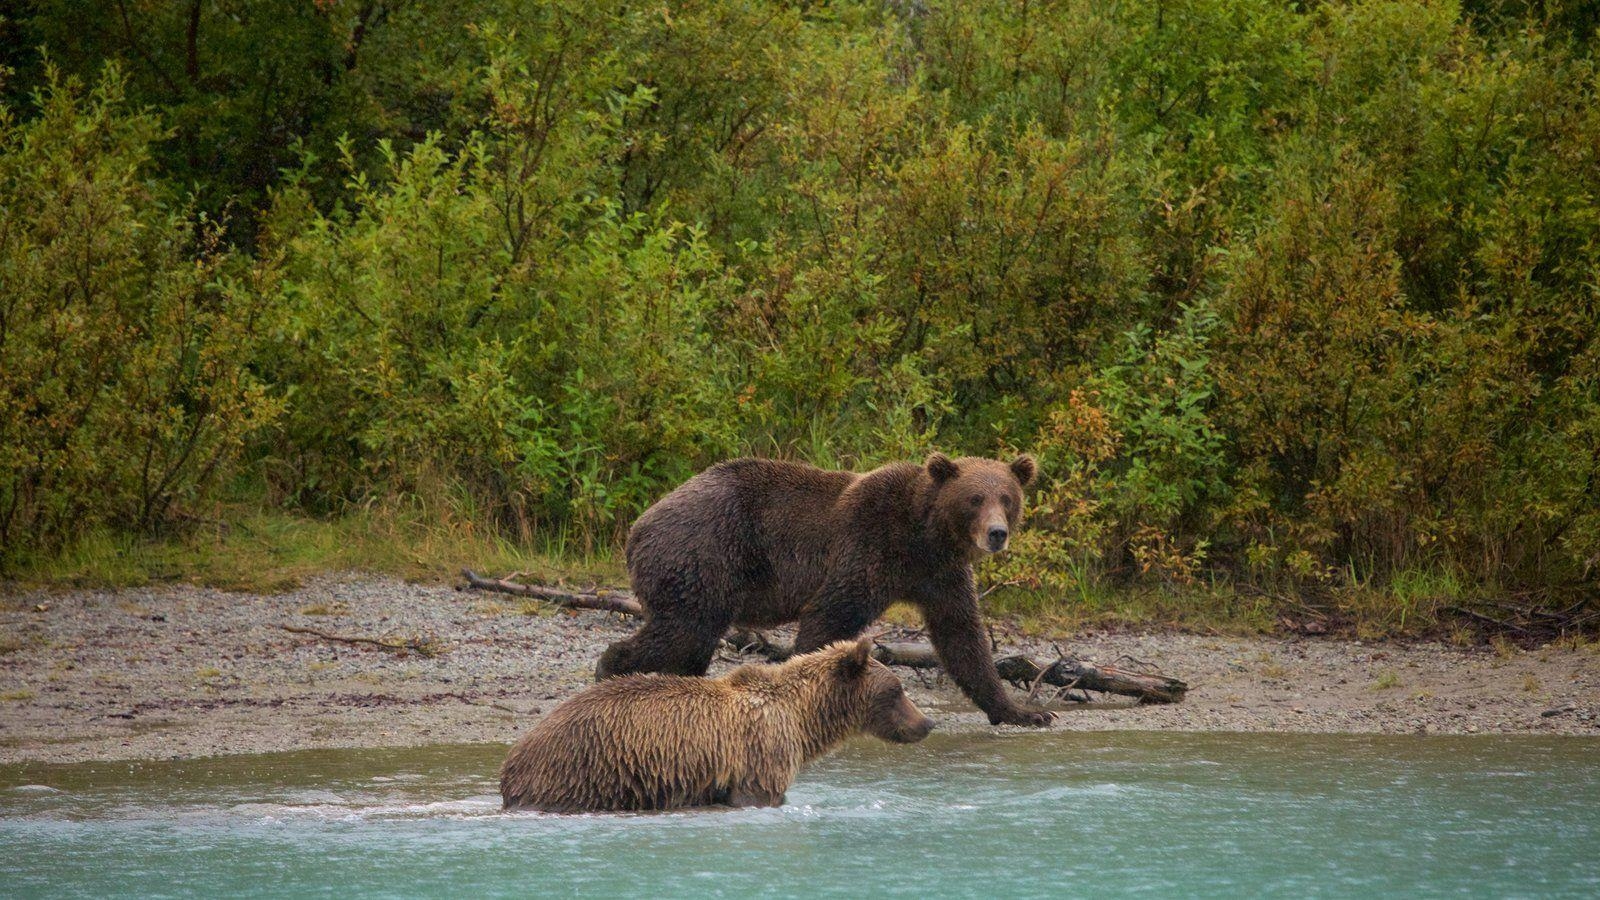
point(978, 501)
point(887, 712)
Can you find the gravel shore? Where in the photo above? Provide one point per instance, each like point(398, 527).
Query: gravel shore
point(180, 671)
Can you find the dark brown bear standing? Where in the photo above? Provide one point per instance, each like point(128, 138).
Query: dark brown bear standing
point(760, 542)
point(651, 742)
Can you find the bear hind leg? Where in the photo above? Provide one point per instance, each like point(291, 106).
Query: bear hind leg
point(664, 648)
point(621, 658)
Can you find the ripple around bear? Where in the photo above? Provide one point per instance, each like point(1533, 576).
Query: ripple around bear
point(653, 742)
point(761, 542)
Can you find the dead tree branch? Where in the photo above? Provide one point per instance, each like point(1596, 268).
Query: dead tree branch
point(599, 599)
point(423, 646)
point(1070, 672)
point(745, 642)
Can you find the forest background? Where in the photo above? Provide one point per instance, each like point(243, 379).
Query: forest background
point(1296, 303)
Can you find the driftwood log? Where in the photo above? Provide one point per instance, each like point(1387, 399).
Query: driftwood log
point(419, 645)
point(1065, 673)
point(1069, 672)
point(598, 599)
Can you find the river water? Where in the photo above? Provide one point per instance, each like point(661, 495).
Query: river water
point(975, 815)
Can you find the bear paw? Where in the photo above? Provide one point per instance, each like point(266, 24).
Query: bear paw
point(1031, 716)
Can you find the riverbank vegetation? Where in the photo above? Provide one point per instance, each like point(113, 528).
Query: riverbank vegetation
point(1296, 303)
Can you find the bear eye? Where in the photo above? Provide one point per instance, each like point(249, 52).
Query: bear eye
point(1007, 501)
point(977, 499)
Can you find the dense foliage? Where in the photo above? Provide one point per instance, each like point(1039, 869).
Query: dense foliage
point(1293, 294)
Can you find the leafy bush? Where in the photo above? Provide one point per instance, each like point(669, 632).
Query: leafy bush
point(487, 315)
point(124, 329)
point(1295, 295)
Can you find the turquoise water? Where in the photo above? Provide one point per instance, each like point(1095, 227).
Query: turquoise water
point(1019, 815)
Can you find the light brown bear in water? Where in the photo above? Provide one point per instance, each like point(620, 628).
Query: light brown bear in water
point(654, 742)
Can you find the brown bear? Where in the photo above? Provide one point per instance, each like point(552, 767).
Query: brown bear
point(760, 542)
point(653, 742)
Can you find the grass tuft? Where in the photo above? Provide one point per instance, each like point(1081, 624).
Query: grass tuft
point(265, 551)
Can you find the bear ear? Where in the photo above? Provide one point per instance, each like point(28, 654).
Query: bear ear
point(941, 468)
point(1024, 468)
point(860, 656)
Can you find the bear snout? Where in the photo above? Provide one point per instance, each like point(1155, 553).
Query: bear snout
point(902, 723)
point(915, 731)
point(997, 538)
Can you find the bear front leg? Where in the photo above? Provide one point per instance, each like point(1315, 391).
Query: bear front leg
point(957, 633)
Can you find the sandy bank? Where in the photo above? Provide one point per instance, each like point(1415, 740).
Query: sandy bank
point(180, 671)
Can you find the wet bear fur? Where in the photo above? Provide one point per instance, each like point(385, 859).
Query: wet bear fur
point(655, 742)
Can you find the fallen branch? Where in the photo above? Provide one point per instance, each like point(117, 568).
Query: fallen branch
point(1490, 620)
point(906, 653)
point(1070, 672)
point(1065, 672)
point(744, 641)
point(601, 600)
point(423, 646)
point(998, 587)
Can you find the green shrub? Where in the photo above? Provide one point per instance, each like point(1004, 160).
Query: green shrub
point(1283, 296)
point(485, 316)
point(124, 328)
